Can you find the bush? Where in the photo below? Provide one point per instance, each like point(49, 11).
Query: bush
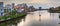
point(11, 16)
point(59, 17)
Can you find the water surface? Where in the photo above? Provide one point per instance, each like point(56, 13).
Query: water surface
point(46, 19)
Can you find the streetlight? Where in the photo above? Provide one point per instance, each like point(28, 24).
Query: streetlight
point(39, 14)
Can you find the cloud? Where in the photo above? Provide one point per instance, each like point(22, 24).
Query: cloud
point(32, 1)
point(50, 3)
point(1, 0)
point(26, 1)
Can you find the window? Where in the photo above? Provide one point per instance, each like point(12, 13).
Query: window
point(1, 13)
point(1, 9)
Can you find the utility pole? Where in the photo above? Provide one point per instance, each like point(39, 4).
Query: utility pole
point(39, 14)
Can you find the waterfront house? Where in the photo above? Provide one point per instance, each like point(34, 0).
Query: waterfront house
point(9, 8)
point(1, 9)
point(31, 9)
point(21, 8)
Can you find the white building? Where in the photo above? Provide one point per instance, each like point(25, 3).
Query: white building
point(1, 9)
point(20, 10)
point(8, 7)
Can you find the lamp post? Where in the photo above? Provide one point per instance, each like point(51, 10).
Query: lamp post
point(39, 14)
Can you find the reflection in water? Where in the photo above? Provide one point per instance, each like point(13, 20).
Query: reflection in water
point(32, 19)
point(39, 16)
point(47, 19)
point(13, 22)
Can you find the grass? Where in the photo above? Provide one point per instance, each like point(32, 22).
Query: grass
point(11, 22)
point(11, 16)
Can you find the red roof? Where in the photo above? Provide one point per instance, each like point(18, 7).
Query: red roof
point(19, 7)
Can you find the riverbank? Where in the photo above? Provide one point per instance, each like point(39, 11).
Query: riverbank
point(54, 11)
point(6, 18)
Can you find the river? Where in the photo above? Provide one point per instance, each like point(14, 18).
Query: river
point(45, 19)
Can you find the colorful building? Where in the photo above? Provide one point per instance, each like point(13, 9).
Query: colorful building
point(21, 7)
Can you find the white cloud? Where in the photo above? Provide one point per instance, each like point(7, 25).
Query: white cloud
point(49, 3)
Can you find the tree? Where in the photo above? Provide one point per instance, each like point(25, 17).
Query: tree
point(59, 7)
point(13, 12)
point(40, 8)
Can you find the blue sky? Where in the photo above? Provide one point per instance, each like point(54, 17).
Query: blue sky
point(35, 3)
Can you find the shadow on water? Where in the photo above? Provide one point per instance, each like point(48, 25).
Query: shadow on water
point(12, 22)
point(39, 23)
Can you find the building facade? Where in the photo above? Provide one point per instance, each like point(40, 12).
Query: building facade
point(1, 9)
point(21, 7)
point(31, 8)
point(9, 7)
